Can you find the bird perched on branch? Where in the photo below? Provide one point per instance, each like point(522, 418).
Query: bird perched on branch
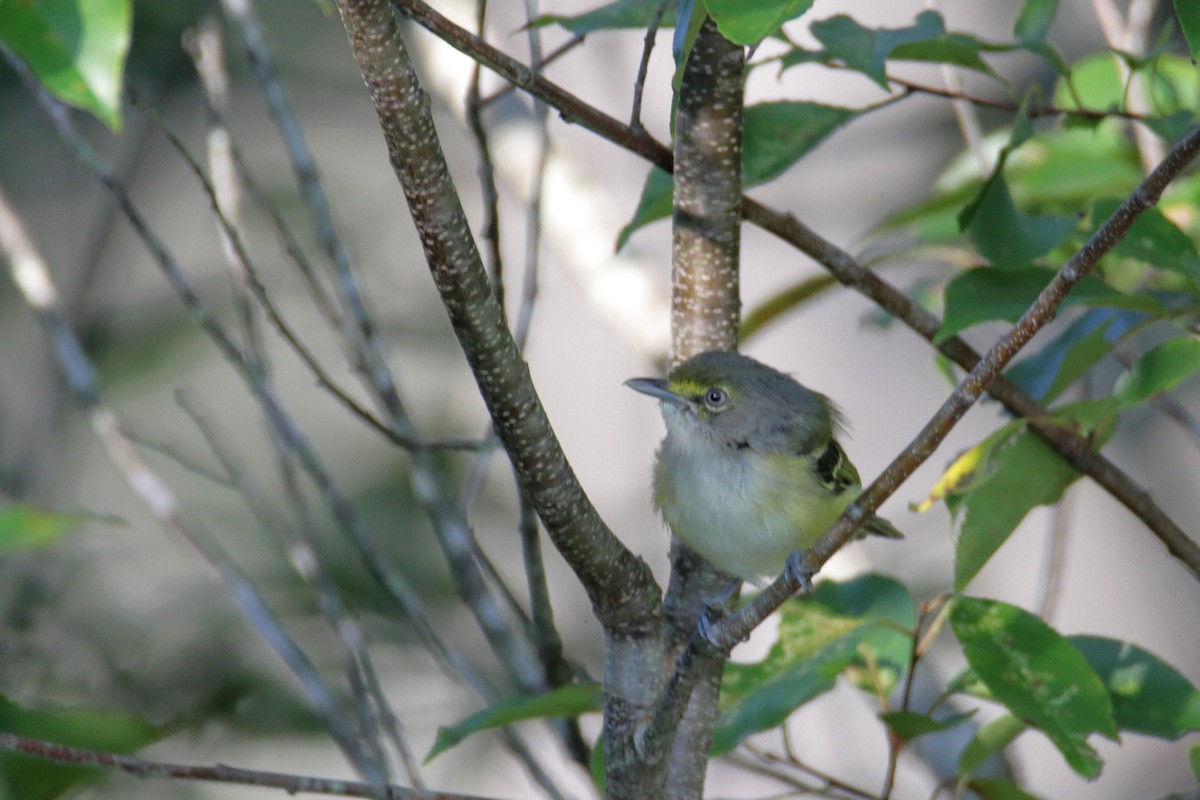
point(750, 471)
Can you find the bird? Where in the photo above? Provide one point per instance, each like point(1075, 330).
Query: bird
point(750, 472)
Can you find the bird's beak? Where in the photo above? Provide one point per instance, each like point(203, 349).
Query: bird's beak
point(655, 387)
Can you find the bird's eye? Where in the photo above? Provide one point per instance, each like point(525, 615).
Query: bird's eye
point(716, 397)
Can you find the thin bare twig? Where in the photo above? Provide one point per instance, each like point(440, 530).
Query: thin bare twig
point(206, 48)
point(358, 328)
point(486, 169)
point(792, 761)
point(205, 45)
point(1033, 112)
point(1128, 34)
point(639, 83)
point(964, 112)
point(220, 773)
point(543, 630)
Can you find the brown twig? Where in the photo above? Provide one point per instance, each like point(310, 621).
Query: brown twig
point(487, 169)
point(639, 83)
point(1035, 112)
point(219, 773)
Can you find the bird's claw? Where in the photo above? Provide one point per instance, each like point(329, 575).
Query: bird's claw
point(799, 570)
point(704, 628)
point(715, 610)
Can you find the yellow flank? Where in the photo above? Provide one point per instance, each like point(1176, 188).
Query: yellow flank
point(746, 514)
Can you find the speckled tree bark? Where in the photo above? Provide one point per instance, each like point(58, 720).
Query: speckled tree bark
point(622, 590)
point(705, 307)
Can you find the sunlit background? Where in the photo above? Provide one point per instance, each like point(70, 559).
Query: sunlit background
point(123, 616)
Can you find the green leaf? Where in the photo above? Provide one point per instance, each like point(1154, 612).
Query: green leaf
point(989, 740)
point(813, 648)
point(76, 48)
point(1066, 170)
point(1096, 83)
point(1194, 759)
point(658, 195)
point(777, 135)
point(1148, 695)
point(968, 469)
point(867, 50)
point(23, 527)
point(596, 767)
point(885, 651)
point(34, 779)
point(949, 48)
point(1023, 472)
point(981, 295)
point(1153, 238)
point(615, 15)
point(998, 789)
point(1072, 353)
point(1188, 12)
point(747, 23)
point(841, 626)
point(908, 725)
point(1005, 236)
point(566, 702)
point(1171, 126)
point(1034, 20)
point(1038, 675)
point(1158, 370)
point(868, 596)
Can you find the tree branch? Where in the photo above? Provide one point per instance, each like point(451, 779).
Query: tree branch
point(622, 590)
point(605, 567)
point(705, 306)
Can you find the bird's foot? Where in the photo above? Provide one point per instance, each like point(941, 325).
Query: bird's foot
point(716, 610)
point(799, 570)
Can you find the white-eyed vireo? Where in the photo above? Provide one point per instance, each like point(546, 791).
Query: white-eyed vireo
point(750, 470)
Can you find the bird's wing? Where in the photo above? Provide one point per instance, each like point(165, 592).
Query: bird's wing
point(838, 475)
point(834, 469)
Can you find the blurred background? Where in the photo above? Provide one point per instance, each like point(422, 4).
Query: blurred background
point(125, 617)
